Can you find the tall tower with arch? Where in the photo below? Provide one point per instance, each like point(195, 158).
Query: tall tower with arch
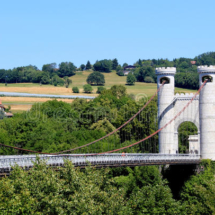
point(169, 105)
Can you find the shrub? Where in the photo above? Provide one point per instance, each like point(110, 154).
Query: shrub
point(100, 89)
point(120, 73)
point(131, 79)
point(87, 88)
point(148, 79)
point(75, 90)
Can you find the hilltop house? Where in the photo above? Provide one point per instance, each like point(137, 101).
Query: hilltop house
point(128, 69)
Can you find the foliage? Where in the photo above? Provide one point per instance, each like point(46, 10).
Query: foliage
point(148, 79)
point(118, 91)
point(188, 80)
point(154, 200)
point(124, 65)
point(131, 79)
point(145, 71)
point(87, 88)
point(100, 89)
point(199, 192)
point(45, 78)
point(184, 130)
point(66, 69)
point(50, 68)
point(45, 191)
point(82, 67)
point(186, 75)
point(88, 65)
point(103, 66)
point(56, 80)
point(67, 81)
point(75, 90)
point(96, 78)
point(114, 64)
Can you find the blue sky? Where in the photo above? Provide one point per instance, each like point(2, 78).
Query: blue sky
point(44, 31)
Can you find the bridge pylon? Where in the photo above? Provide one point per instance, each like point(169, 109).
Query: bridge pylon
point(207, 112)
point(165, 109)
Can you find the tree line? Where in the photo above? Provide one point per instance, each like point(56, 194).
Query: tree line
point(186, 76)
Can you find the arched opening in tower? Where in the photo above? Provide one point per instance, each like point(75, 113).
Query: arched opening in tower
point(188, 139)
point(208, 78)
point(164, 79)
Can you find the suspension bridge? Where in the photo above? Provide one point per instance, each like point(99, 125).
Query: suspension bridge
point(146, 138)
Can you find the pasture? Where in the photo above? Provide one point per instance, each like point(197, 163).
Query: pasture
point(22, 103)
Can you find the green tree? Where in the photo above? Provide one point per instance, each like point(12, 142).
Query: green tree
point(119, 91)
point(87, 88)
point(131, 79)
point(75, 90)
point(198, 192)
point(42, 190)
point(124, 65)
point(100, 89)
point(103, 66)
point(114, 64)
point(149, 79)
point(88, 65)
point(140, 62)
point(67, 81)
point(82, 67)
point(66, 69)
point(49, 67)
point(96, 78)
point(45, 78)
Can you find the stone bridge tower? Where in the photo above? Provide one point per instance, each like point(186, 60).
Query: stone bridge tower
point(200, 112)
point(207, 112)
point(165, 108)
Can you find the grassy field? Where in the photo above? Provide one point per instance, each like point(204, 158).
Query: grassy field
point(22, 103)
point(19, 104)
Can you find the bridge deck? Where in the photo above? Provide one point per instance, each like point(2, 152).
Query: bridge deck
point(106, 160)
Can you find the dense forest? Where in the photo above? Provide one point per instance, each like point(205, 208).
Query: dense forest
point(80, 122)
point(139, 190)
point(186, 76)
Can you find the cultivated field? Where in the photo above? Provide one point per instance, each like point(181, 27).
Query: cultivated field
point(19, 104)
point(22, 103)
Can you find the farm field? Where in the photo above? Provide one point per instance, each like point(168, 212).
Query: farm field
point(19, 104)
point(79, 80)
point(22, 103)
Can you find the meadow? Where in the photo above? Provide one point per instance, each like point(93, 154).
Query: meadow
point(22, 103)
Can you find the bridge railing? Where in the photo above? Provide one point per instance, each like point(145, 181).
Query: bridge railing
point(79, 160)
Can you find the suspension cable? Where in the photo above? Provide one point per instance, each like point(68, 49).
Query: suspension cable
point(115, 150)
point(69, 150)
point(146, 138)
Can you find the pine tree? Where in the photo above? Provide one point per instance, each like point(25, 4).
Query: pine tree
point(114, 64)
point(88, 65)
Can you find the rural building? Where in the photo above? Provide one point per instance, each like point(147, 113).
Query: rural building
point(128, 69)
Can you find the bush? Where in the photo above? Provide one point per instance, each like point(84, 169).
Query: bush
point(131, 79)
point(149, 79)
point(120, 73)
point(75, 90)
point(87, 88)
point(100, 89)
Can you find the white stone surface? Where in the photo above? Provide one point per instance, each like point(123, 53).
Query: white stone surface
point(165, 110)
point(207, 113)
